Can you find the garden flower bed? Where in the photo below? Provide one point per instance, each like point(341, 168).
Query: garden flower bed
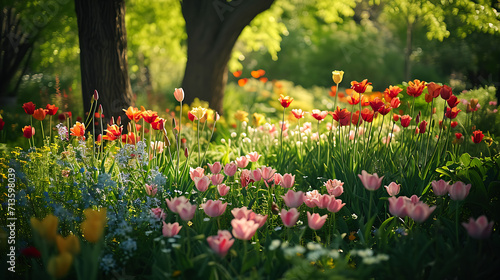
point(398, 185)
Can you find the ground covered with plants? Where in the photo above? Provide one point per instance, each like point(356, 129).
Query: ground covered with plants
point(396, 184)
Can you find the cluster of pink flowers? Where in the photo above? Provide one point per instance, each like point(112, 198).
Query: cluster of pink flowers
point(412, 207)
point(457, 191)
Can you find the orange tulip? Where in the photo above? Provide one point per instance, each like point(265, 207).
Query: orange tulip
point(391, 92)
point(415, 88)
point(78, 130)
point(149, 116)
point(40, 114)
point(113, 132)
point(133, 113)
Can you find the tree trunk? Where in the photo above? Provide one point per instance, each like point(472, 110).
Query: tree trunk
point(103, 55)
point(212, 28)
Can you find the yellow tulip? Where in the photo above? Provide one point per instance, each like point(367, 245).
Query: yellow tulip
point(199, 112)
point(242, 116)
point(70, 244)
point(47, 228)
point(258, 119)
point(337, 76)
point(58, 266)
point(93, 227)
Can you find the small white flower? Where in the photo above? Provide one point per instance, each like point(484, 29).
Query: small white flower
point(223, 141)
point(243, 135)
point(233, 134)
point(275, 244)
point(354, 216)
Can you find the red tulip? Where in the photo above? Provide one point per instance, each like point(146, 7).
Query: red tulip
point(360, 87)
point(28, 131)
point(367, 115)
point(445, 92)
point(477, 136)
point(51, 109)
point(391, 93)
point(29, 108)
point(376, 104)
point(452, 113)
point(433, 89)
point(319, 115)
point(285, 100)
point(405, 120)
point(422, 127)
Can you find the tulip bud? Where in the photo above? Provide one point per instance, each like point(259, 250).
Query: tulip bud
point(119, 121)
point(100, 110)
point(186, 152)
point(96, 95)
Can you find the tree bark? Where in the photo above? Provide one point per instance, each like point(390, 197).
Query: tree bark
point(212, 28)
point(103, 55)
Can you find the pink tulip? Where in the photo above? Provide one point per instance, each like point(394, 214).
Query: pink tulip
point(334, 187)
point(175, 202)
point(289, 217)
point(459, 190)
point(202, 183)
point(259, 219)
point(312, 198)
point(255, 175)
point(440, 187)
point(335, 205)
point(371, 182)
point(397, 206)
point(316, 221)
point(393, 189)
point(288, 181)
point(267, 173)
point(170, 230)
point(198, 172)
point(244, 229)
point(414, 199)
point(253, 156)
point(293, 199)
point(214, 208)
point(277, 178)
point(158, 213)
point(222, 189)
point(245, 178)
point(217, 179)
point(221, 243)
point(324, 200)
point(215, 168)
point(151, 190)
point(242, 162)
point(179, 94)
point(186, 211)
point(420, 211)
point(480, 228)
point(243, 212)
point(230, 169)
